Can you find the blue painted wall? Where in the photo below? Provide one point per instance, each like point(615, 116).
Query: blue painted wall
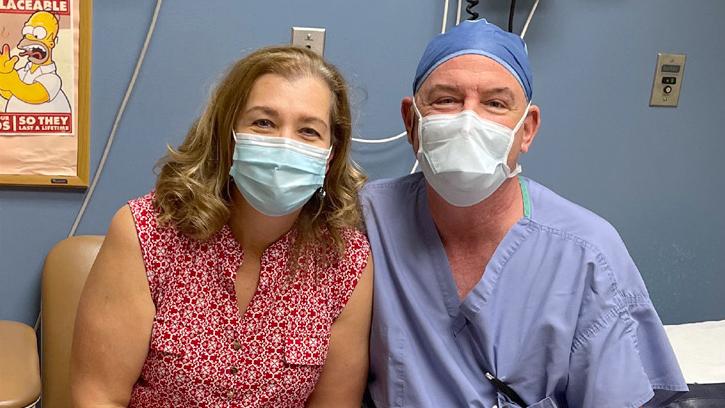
point(655, 173)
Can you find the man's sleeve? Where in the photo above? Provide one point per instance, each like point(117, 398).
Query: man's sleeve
point(623, 362)
point(624, 355)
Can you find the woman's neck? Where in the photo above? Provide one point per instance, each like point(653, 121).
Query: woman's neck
point(254, 230)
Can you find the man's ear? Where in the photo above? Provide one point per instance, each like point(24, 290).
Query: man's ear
point(406, 112)
point(531, 127)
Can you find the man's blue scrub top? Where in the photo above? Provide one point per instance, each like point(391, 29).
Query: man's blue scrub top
point(561, 314)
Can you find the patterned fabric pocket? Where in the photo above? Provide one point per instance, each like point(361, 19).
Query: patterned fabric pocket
point(165, 337)
point(306, 348)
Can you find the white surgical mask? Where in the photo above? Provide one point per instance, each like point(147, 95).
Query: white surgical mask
point(463, 156)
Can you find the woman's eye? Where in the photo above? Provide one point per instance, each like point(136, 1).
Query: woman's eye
point(309, 132)
point(263, 123)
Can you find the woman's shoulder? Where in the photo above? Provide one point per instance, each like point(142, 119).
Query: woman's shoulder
point(143, 207)
point(346, 273)
point(355, 251)
point(354, 238)
point(353, 256)
point(145, 214)
point(160, 243)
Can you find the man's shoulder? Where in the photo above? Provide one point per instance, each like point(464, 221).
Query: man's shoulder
point(562, 216)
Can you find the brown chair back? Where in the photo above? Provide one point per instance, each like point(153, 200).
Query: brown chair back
point(64, 274)
point(19, 373)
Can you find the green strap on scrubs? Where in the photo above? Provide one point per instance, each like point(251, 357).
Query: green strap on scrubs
point(525, 197)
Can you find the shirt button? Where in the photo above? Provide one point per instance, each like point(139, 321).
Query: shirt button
point(237, 345)
point(234, 370)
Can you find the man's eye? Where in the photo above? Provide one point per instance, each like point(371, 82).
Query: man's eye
point(445, 101)
point(496, 104)
point(263, 123)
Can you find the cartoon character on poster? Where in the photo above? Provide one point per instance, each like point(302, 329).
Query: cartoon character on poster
point(35, 86)
point(43, 59)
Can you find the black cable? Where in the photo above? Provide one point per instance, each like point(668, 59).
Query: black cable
point(511, 16)
point(469, 9)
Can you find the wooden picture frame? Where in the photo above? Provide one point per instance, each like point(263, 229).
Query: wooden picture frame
point(24, 164)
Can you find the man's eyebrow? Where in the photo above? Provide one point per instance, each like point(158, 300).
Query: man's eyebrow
point(443, 88)
point(504, 90)
point(500, 90)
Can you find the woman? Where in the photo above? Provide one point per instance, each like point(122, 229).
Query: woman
point(243, 279)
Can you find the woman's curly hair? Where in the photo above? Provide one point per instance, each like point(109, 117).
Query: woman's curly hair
point(193, 187)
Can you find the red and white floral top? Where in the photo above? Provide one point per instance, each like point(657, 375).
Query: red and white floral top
point(203, 353)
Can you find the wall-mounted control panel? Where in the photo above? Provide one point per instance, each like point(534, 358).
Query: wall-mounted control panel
point(310, 38)
point(668, 79)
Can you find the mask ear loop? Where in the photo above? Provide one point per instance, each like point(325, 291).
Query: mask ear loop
point(523, 119)
point(321, 193)
point(230, 179)
point(419, 126)
point(513, 136)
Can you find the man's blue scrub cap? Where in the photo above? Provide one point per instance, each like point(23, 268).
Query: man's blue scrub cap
point(482, 38)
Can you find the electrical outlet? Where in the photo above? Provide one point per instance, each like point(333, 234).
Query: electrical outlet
point(310, 38)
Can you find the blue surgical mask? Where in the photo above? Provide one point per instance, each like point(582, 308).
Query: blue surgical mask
point(277, 175)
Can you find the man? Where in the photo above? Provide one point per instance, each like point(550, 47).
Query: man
point(491, 290)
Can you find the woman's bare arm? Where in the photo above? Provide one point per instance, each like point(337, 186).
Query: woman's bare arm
point(344, 376)
point(114, 320)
